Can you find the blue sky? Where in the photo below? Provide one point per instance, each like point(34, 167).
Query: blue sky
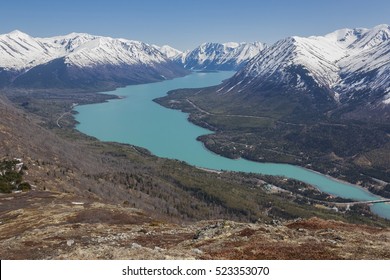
point(185, 24)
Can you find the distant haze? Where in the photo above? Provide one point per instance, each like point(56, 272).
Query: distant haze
point(185, 24)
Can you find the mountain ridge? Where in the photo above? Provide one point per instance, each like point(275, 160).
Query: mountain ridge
point(340, 63)
point(29, 62)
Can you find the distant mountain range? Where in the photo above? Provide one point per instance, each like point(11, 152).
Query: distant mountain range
point(80, 60)
point(216, 56)
point(346, 68)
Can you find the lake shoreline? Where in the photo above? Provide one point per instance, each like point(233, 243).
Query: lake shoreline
point(122, 97)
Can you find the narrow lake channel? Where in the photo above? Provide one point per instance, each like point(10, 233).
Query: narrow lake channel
point(167, 133)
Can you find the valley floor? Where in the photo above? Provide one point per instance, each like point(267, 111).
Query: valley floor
point(266, 130)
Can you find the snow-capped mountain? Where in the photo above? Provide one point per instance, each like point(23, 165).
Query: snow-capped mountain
point(367, 69)
point(216, 56)
point(343, 65)
point(19, 51)
point(80, 59)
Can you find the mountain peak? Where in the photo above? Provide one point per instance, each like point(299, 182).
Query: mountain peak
point(382, 27)
point(374, 37)
point(18, 33)
point(346, 36)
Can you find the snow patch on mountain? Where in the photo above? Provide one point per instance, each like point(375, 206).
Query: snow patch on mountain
point(386, 99)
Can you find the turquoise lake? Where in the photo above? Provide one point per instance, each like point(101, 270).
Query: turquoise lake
point(167, 133)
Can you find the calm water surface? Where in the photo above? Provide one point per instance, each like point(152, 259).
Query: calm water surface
point(137, 120)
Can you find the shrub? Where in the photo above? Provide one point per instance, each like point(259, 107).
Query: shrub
point(24, 187)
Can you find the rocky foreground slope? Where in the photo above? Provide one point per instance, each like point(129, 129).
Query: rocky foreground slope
point(49, 225)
